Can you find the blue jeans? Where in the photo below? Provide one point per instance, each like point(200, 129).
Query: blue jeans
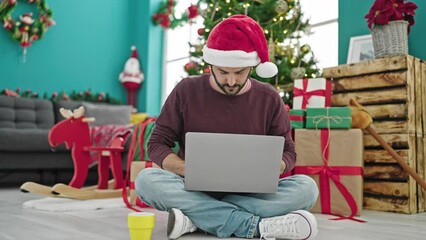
point(225, 214)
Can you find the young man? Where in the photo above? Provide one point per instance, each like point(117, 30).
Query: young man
point(227, 101)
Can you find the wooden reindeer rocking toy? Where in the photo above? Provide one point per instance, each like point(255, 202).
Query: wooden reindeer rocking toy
point(74, 131)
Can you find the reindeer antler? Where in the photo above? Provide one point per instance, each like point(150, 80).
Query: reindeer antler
point(79, 112)
point(66, 113)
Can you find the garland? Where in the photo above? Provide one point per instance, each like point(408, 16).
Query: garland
point(165, 16)
point(26, 30)
point(87, 96)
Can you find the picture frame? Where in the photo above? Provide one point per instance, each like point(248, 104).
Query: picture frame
point(360, 49)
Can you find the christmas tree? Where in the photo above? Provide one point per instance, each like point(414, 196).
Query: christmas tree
point(283, 27)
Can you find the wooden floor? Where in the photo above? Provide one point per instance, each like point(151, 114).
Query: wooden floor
point(17, 223)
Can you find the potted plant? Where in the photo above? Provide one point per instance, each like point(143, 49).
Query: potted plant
point(390, 22)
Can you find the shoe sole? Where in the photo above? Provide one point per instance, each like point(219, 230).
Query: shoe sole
point(172, 232)
point(310, 218)
point(170, 223)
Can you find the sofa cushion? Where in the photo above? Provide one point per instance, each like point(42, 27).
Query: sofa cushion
point(106, 114)
point(23, 113)
point(25, 140)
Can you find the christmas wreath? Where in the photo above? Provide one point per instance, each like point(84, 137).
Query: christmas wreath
point(27, 29)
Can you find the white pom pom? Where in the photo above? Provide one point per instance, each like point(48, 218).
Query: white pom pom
point(266, 70)
point(133, 48)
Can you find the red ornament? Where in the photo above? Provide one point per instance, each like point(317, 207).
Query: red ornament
point(200, 31)
point(190, 65)
point(206, 70)
point(162, 19)
point(193, 11)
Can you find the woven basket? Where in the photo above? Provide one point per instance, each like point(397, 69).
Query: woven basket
point(390, 39)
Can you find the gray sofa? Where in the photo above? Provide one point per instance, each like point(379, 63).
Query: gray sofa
point(25, 154)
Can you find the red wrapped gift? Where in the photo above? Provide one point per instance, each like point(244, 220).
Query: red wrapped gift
point(334, 159)
point(312, 92)
point(137, 167)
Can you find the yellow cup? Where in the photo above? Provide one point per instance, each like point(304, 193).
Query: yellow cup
point(140, 225)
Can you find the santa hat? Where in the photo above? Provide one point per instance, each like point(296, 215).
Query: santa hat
point(238, 41)
point(134, 52)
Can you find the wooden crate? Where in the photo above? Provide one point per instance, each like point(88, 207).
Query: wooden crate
point(393, 90)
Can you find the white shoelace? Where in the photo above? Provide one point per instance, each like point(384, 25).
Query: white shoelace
point(280, 227)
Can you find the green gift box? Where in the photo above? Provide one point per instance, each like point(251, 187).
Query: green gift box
point(331, 117)
point(297, 118)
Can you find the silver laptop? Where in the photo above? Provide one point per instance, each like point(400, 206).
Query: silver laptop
point(232, 162)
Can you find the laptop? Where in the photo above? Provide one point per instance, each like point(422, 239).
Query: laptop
point(238, 163)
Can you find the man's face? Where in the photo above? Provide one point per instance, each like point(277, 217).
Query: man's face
point(230, 80)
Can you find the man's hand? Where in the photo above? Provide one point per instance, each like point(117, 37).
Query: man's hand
point(283, 166)
point(174, 164)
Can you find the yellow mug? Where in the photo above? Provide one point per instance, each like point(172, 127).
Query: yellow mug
point(141, 225)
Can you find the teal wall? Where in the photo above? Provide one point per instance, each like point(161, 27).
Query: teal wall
point(352, 23)
point(87, 49)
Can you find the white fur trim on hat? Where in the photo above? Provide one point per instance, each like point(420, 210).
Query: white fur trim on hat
point(266, 70)
point(233, 58)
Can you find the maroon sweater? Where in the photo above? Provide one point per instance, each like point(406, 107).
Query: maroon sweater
point(194, 106)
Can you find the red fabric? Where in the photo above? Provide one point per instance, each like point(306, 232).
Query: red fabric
point(102, 136)
point(287, 174)
point(319, 92)
point(297, 118)
point(326, 173)
point(239, 32)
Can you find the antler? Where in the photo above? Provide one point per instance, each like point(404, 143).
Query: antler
point(66, 113)
point(79, 112)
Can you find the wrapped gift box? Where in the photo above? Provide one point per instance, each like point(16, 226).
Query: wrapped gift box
point(330, 117)
point(297, 118)
point(313, 92)
point(135, 169)
point(339, 178)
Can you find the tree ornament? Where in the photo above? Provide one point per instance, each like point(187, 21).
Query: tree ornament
point(279, 50)
point(206, 70)
point(190, 66)
point(198, 47)
point(297, 73)
point(200, 31)
point(192, 11)
point(305, 48)
point(27, 29)
point(296, 11)
point(281, 6)
point(271, 49)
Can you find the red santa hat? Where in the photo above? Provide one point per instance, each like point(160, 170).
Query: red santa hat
point(238, 41)
point(134, 52)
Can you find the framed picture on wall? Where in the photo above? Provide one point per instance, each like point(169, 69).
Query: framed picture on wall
point(360, 49)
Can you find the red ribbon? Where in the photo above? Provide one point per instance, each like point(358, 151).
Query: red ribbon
point(297, 92)
point(133, 144)
point(326, 173)
point(297, 118)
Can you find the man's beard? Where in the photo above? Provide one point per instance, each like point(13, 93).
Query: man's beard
point(230, 90)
